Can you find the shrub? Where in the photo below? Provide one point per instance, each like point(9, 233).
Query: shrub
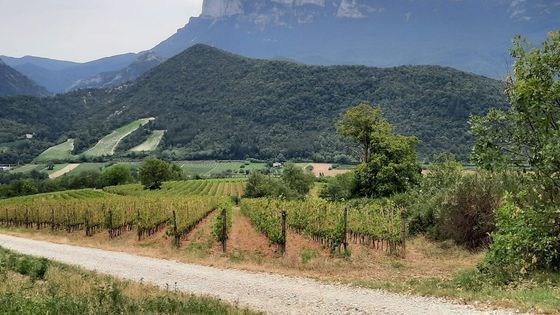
point(467, 214)
point(339, 187)
point(527, 239)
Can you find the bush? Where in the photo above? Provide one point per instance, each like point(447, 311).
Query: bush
point(467, 214)
point(339, 187)
point(115, 175)
point(526, 239)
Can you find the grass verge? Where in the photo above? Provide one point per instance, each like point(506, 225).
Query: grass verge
point(38, 286)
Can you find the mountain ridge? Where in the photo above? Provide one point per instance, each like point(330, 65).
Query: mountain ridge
point(472, 36)
point(14, 83)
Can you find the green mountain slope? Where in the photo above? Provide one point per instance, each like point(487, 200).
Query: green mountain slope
point(214, 104)
point(14, 83)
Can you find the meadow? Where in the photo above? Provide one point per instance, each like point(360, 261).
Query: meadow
point(107, 145)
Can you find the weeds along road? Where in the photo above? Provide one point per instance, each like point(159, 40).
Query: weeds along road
point(265, 292)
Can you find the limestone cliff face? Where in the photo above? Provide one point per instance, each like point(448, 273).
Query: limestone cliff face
point(279, 11)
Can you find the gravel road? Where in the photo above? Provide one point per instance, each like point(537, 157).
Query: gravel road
point(259, 291)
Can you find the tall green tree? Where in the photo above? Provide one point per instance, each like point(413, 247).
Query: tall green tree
point(153, 173)
point(527, 133)
point(362, 124)
point(389, 162)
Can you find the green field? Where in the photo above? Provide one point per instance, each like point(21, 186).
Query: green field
point(209, 187)
point(151, 143)
point(210, 168)
point(108, 144)
point(28, 168)
point(61, 195)
point(61, 151)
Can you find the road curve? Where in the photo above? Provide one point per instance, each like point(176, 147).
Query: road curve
point(270, 293)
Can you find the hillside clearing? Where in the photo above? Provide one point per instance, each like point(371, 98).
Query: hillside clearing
point(151, 143)
point(60, 151)
point(270, 293)
point(65, 170)
point(109, 143)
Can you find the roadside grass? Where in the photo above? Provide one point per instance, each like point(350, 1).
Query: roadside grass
point(151, 143)
point(538, 293)
point(107, 145)
point(38, 286)
point(62, 151)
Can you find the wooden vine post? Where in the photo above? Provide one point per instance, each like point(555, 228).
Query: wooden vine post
point(403, 234)
point(345, 237)
point(284, 238)
point(52, 219)
point(110, 224)
point(177, 240)
point(224, 230)
point(138, 231)
point(88, 232)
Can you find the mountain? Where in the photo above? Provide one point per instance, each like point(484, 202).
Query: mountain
point(218, 105)
point(473, 35)
point(14, 83)
point(58, 76)
point(470, 35)
point(144, 63)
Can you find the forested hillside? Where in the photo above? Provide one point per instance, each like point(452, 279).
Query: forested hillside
point(214, 104)
point(14, 83)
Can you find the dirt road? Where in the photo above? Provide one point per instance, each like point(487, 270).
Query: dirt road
point(266, 292)
point(67, 169)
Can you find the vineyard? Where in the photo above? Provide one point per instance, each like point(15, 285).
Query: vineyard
point(376, 225)
point(210, 187)
point(91, 211)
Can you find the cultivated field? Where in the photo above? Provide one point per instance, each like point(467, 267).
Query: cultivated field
point(61, 151)
point(109, 143)
point(210, 187)
point(210, 168)
point(151, 143)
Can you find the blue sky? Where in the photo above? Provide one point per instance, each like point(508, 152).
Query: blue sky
point(84, 30)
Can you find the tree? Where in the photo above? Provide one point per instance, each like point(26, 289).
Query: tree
point(389, 162)
point(115, 175)
point(297, 180)
point(525, 135)
point(361, 123)
point(153, 173)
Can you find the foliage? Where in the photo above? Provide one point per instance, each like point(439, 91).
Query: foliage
point(297, 179)
point(363, 123)
point(389, 163)
point(297, 107)
point(115, 175)
point(294, 183)
point(153, 173)
point(339, 187)
point(526, 134)
point(324, 221)
point(217, 225)
point(527, 239)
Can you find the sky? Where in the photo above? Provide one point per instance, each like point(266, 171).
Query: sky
point(85, 30)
